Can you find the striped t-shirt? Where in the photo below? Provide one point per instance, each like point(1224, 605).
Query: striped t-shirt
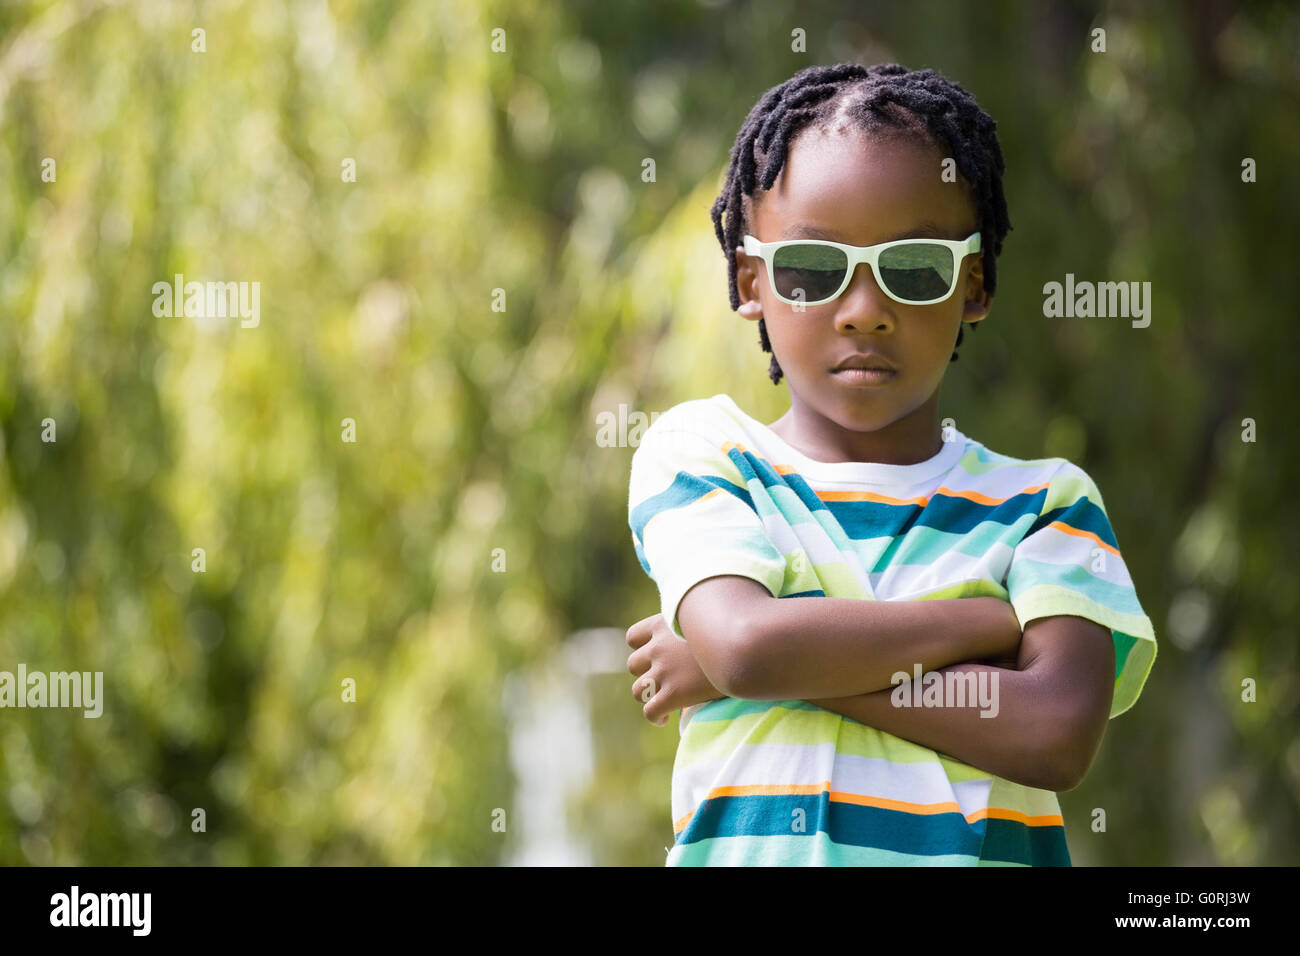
point(714, 491)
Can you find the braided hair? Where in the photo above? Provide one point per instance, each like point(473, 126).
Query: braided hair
point(886, 97)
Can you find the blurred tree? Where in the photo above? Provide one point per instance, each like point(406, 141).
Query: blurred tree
point(498, 272)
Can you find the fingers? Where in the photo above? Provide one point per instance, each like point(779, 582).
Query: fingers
point(644, 688)
point(640, 632)
point(639, 636)
point(656, 709)
point(638, 662)
point(655, 700)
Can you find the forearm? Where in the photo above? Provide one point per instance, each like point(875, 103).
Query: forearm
point(1024, 740)
point(800, 648)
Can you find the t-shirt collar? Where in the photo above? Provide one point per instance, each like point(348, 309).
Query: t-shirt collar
point(858, 472)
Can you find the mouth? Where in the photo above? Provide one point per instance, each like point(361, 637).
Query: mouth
point(865, 376)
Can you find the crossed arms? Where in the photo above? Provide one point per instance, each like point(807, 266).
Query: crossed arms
point(840, 654)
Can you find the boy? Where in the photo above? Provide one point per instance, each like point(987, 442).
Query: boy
point(812, 569)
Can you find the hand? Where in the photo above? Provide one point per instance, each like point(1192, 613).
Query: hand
point(1007, 656)
point(667, 675)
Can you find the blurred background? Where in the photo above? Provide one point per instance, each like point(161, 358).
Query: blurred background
point(491, 278)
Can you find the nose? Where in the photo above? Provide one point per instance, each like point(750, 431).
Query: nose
point(864, 306)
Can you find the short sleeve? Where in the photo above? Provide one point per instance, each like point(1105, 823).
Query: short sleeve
point(1069, 563)
point(692, 516)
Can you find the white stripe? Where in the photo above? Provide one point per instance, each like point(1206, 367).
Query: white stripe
point(903, 582)
point(813, 764)
point(1054, 546)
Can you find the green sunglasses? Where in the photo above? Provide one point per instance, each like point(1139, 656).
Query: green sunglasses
point(911, 271)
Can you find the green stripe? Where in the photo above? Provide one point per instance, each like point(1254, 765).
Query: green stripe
point(976, 587)
point(925, 545)
point(1078, 581)
point(979, 461)
point(793, 724)
point(796, 851)
point(837, 580)
point(1056, 600)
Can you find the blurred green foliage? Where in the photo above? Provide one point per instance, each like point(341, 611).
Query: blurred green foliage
point(475, 429)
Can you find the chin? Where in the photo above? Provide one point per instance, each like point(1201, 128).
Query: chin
point(862, 416)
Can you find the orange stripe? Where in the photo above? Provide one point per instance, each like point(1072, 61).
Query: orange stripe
point(985, 499)
point(869, 496)
point(1002, 813)
point(768, 789)
point(1080, 533)
point(924, 501)
point(858, 799)
point(920, 809)
point(974, 496)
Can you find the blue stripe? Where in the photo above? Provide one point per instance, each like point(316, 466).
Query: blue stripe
point(937, 834)
point(1027, 575)
point(640, 556)
point(727, 708)
point(1083, 515)
point(946, 513)
point(1010, 841)
point(685, 489)
point(753, 467)
point(862, 520)
point(976, 543)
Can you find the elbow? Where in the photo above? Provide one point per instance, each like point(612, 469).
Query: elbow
point(1067, 777)
point(721, 658)
point(740, 665)
point(723, 621)
point(1066, 761)
point(721, 668)
point(736, 675)
point(740, 682)
point(1078, 762)
point(1050, 772)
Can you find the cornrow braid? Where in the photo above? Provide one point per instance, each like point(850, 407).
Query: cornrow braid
point(918, 103)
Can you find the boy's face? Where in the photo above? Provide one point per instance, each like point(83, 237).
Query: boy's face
point(862, 191)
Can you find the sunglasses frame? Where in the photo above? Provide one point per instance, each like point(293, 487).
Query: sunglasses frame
point(960, 249)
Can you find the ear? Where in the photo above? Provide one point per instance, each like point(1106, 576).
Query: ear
point(978, 300)
point(748, 284)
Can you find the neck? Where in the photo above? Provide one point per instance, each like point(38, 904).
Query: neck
point(914, 438)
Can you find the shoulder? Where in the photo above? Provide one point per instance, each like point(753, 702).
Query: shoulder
point(1060, 481)
point(700, 427)
point(692, 440)
point(707, 417)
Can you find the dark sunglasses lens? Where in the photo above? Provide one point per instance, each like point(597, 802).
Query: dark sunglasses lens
point(918, 271)
point(808, 273)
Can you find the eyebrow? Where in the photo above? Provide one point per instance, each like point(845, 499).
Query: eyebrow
point(924, 230)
